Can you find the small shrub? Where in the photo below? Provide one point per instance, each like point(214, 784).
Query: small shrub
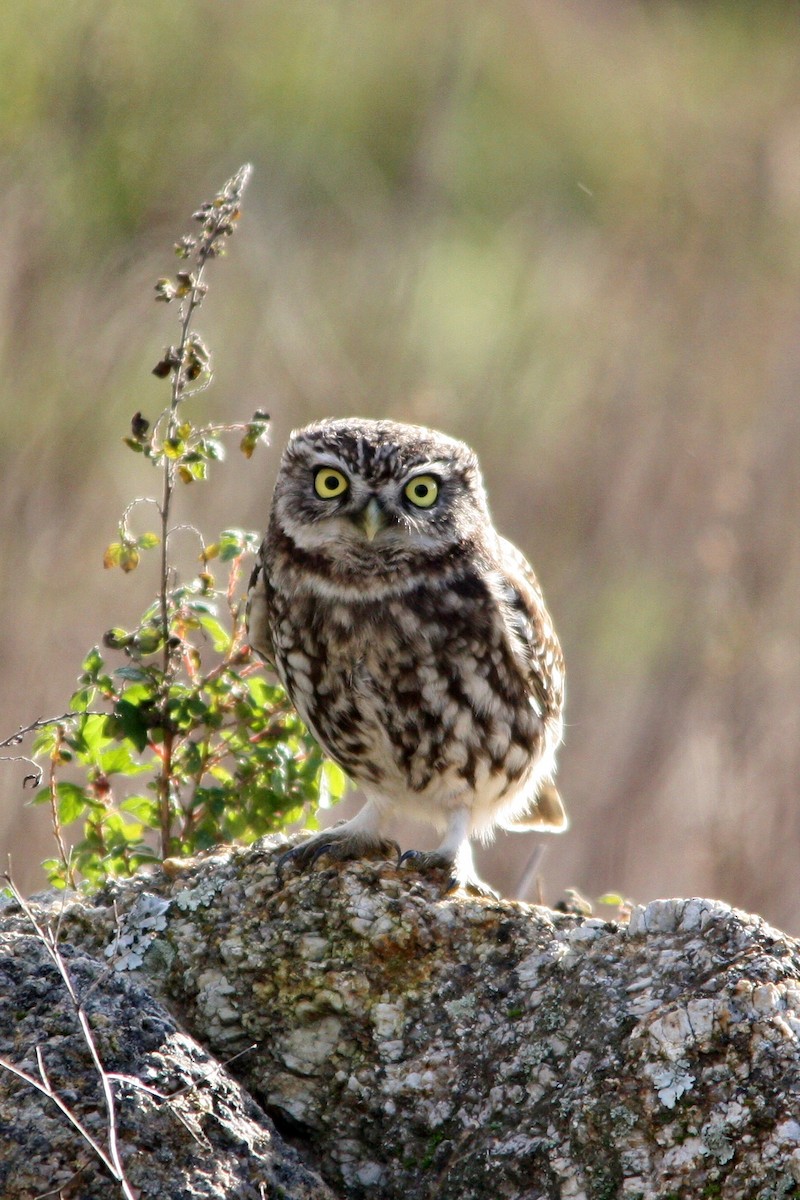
point(174, 740)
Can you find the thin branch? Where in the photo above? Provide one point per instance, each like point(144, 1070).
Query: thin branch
point(123, 521)
point(110, 1158)
point(63, 1188)
point(42, 1085)
point(218, 217)
point(186, 528)
point(14, 739)
point(35, 777)
point(52, 787)
point(529, 873)
point(168, 1097)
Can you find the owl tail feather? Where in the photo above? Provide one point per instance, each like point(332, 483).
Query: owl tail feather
point(547, 813)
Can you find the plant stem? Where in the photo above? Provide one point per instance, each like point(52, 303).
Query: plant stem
point(178, 393)
point(205, 249)
point(69, 873)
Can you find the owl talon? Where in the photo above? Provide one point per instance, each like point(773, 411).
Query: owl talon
point(287, 857)
point(426, 860)
point(429, 863)
point(340, 849)
point(432, 861)
point(303, 856)
point(317, 853)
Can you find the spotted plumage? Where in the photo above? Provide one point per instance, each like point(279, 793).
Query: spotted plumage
point(411, 637)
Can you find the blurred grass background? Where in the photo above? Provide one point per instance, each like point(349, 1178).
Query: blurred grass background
point(568, 232)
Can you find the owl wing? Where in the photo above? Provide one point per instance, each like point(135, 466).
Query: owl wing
point(531, 633)
point(538, 653)
point(256, 613)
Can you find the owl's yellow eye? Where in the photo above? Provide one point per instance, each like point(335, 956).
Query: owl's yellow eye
point(330, 483)
point(422, 490)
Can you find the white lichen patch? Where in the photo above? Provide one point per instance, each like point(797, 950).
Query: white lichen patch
point(138, 929)
point(766, 999)
point(588, 931)
point(389, 1021)
point(202, 895)
point(788, 1131)
point(679, 1028)
point(313, 947)
point(685, 1155)
point(460, 1010)
point(532, 966)
point(295, 1096)
point(667, 916)
point(671, 1081)
point(306, 1049)
point(370, 1174)
point(215, 998)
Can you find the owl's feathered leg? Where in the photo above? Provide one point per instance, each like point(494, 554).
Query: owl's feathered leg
point(453, 854)
point(360, 837)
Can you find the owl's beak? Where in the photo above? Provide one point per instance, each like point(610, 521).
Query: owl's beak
point(371, 520)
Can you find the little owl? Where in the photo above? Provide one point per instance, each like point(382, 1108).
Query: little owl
point(412, 639)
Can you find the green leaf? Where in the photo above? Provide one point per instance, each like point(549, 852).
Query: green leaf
point(73, 802)
point(144, 808)
point(220, 638)
point(89, 737)
point(92, 664)
point(257, 431)
point(54, 870)
point(232, 543)
point(148, 640)
point(116, 638)
point(192, 468)
point(199, 604)
point(112, 555)
point(147, 541)
point(80, 700)
point(133, 674)
point(41, 797)
point(133, 723)
point(118, 761)
point(44, 743)
point(211, 448)
point(263, 693)
point(129, 559)
point(129, 831)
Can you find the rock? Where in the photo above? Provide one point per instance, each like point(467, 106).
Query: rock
point(414, 1045)
point(205, 1138)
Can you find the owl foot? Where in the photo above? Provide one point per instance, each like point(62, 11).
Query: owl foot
point(339, 846)
point(435, 861)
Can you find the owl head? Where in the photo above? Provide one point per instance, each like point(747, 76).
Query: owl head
point(378, 491)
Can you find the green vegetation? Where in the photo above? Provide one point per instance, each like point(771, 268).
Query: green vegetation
point(217, 752)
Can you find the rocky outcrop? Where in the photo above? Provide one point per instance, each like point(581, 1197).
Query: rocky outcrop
point(186, 1127)
point(409, 1044)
